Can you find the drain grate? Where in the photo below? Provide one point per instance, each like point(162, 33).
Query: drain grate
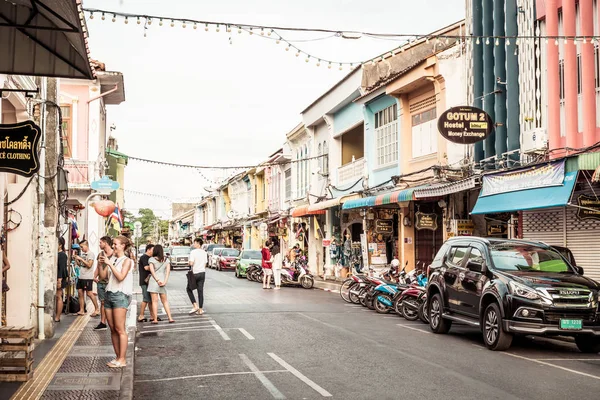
point(99, 365)
point(100, 394)
point(81, 395)
point(91, 338)
point(76, 364)
point(61, 395)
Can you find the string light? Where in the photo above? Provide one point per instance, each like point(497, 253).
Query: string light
point(565, 40)
point(307, 59)
point(228, 28)
point(262, 32)
point(139, 21)
point(91, 15)
point(114, 18)
point(206, 27)
point(126, 20)
point(507, 41)
point(149, 21)
point(172, 23)
point(218, 29)
point(497, 42)
point(195, 25)
point(269, 33)
point(329, 66)
point(251, 32)
point(487, 41)
point(239, 29)
point(183, 25)
point(319, 63)
point(556, 42)
point(103, 17)
point(341, 66)
point(160, 23)
point(584, 41)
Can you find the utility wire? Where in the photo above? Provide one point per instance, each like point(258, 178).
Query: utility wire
point(271, 164)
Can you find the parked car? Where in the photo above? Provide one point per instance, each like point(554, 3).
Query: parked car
point(512, 287)
point(227, 259)
point(244, 260)
point(214, 260)
point(179, 257)
point(209, 251)
point(167, 251)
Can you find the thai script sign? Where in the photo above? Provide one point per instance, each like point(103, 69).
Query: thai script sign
point(551, 174)
point(426, 221)
point(384, 226)
point(589, 207)
point(465, 125)
point(19, 148)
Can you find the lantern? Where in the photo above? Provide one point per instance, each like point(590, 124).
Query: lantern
point(104, 207)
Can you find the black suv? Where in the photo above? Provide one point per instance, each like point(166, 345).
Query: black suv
point(506, 287)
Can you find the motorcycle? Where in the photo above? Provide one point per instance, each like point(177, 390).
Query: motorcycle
point(410, 303)
point(297, 276)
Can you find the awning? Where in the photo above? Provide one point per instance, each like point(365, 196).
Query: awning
point(332, 203)
point(531, 199)
point(44, 38)
point(301, 211)
point(445, 188)
point(382, 199)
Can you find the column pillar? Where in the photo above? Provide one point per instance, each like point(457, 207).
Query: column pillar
point(489, 84)
point(586, 11)
point(477, 54)
point(553, 82)
point(500, 73)
point(570, 86)
point(513, 125)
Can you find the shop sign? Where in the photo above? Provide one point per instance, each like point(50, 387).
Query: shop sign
point(426, 221)
point(465, 125)
point(384, 226)
point(552, 174)
point(589, 207)
point(19, 148)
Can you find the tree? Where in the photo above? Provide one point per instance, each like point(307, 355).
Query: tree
point(153, 228)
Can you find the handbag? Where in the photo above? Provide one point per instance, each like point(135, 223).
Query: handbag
point(191, 279)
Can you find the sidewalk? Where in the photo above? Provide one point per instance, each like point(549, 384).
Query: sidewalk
point(332, 284)
point(75, 367)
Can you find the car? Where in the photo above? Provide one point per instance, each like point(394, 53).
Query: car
point(227, 259)
point(179, 257)
point(509, 287)
point(209, 251)
point(244, 260)
point(214, 260)
point(167, 251)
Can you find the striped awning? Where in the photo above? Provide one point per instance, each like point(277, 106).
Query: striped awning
point(445, 188)
point(332, 202)
point(301, 211)
point(382, 199)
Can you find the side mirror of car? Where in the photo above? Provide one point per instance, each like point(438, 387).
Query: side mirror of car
point(475, 266)
point(579, 270)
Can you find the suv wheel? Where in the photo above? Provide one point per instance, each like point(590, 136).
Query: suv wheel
point(494, 336)
point(436, 322)
point(588, 344)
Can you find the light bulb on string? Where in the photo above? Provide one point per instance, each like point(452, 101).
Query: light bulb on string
point(139, 21)
point(556, 42)
point(575, 41)
point(318, 63)
point(372, 62)
point(251, 31)
point(584, 41)
point(298, 54)
point(126, 20)
point(262, 32)
point(477, 41)
point(218, 29)
point(341, 66)
point(172, 24)
point(183, 25)
point(307, 59)
point(160, 23)
point(103, 17)
point(239, 29)
point(516, 41)
point(329, 65)
point(206, 27)
point(271, 31)
point(487, 40)
point(508, 41)
point(149, 21)
point(497, 42)
point(114, 18)
point(228, 29)
point(278, 41)
point(195, 25)
point(427, 40)
point(565, 40)
point(91, 15)
point(287, 48)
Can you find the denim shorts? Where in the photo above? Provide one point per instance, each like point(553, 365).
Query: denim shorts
point(116, 300)
point(145, 295)
point(101, 291)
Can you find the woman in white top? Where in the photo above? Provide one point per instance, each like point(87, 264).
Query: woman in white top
point(277, 263)
point(118, 297)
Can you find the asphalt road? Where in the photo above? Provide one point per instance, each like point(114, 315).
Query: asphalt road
point(309, 344)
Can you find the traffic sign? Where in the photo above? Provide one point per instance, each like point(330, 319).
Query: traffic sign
point(137, 225)
point(105, 184)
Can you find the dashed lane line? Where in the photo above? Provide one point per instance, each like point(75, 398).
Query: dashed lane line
point(200, 328)
point(262, 378)
point(552, 365)
point(175, 324)
point(177, 378)
point(221, 331)
point(568, 359)
point(300, 376)
point(245, 333)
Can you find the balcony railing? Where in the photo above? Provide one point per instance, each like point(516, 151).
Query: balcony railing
point(78, 174)
point(351, 172)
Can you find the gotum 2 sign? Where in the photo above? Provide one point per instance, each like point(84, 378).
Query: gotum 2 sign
point(465, 125)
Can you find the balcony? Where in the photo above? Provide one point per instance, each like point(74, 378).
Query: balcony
point(78, 174)
point(351, 172)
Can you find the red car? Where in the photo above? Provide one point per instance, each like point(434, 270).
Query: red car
point(227, 259)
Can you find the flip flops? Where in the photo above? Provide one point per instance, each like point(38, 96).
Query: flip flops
point(116, 364)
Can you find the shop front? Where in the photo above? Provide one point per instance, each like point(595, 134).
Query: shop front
point(306, 231)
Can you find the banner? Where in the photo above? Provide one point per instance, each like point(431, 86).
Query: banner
point(551, 174)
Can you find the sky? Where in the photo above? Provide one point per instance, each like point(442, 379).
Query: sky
point(228, 99)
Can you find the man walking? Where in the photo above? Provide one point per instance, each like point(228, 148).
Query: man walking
point(101, 277)
point(198, 260)
point(144, 273)
point(85, 283)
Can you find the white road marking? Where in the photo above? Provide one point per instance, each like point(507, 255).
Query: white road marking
point(568, 359)
point(300, 376)
point(200, 328)
point(175, 324)
point(552, 365)
point(352, 305)
point(220, 330)
point(245, 333)
point(262, 378)
point(412, 329)
point(178, 317)
point(177, 378)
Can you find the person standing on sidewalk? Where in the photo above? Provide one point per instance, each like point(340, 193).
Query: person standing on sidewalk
point(160, 269)
point(277, 264)
point(144, 273)
point(198, 261)
point(118, 298)
point(62, 275)
point(101, 277)
point(266, 265)
point(85, 283)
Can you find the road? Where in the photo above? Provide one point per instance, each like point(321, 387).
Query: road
point(309, 344)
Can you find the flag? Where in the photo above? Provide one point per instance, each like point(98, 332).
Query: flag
point(116, 217)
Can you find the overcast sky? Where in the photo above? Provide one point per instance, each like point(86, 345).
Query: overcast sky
point(208, 98)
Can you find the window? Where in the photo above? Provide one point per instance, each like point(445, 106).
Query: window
point(325, 159)
point(67, 130)
point(457, 254)
point(579, 74)
point(298, 166)
point(386, 132)
point(597, 65)
point(424, 133)
point(561, 79)
point(320, 162)
point(264, 189)
point(476, 256)
point(288, 184)
point(306, 168)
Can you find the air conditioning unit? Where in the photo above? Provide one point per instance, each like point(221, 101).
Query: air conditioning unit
point(534, 141)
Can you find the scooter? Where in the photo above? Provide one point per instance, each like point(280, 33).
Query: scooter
point(297, 276)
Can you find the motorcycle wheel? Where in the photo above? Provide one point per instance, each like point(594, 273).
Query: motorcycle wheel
point(423, 316)
point(354, 298)
point(409, 313)
point(362, 298)
point(370, 299)
point(379, 306)
point(345, 290)
point(398, 307)
point(307, 282)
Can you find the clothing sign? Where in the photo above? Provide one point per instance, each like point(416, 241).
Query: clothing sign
point(551, 174)
point(426, 221)
point(465, 125)
point(19, 148)
point(589, 207)
point(384, 226)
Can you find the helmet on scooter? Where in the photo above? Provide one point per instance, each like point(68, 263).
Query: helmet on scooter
point(395, 262)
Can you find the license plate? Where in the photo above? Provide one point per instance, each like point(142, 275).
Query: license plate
point(571, 324)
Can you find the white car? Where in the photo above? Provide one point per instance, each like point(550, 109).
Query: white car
point(214, 260)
